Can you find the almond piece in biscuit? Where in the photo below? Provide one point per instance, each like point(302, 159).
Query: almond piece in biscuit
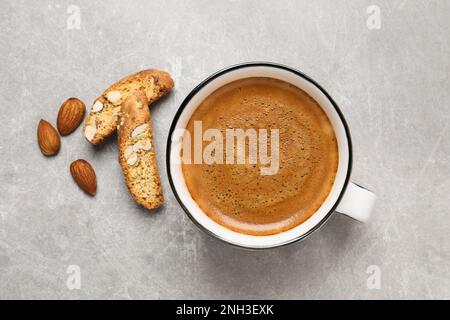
point(136, 152)
point(103, 119)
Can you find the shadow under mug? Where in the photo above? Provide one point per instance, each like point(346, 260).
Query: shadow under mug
point(345, 197)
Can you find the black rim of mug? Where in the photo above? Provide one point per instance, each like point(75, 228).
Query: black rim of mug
point(241, 66)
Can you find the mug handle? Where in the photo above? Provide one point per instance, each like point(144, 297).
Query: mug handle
point(357, 202)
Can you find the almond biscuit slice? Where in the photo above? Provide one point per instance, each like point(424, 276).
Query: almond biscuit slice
point(103, 118)
point(136, 152)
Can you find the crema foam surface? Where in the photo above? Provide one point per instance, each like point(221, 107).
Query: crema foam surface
point(238, 196)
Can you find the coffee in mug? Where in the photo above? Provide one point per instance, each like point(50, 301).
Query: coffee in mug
point(260, 156)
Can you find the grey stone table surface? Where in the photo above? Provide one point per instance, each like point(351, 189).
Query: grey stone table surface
point(391, 82)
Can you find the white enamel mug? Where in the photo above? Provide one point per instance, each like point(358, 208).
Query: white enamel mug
point(345, 197)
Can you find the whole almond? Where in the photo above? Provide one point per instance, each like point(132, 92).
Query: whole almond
point(48, 138)
point(70, 115)
point(84, 175)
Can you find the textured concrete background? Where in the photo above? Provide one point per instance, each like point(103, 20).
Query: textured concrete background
point(392, 84)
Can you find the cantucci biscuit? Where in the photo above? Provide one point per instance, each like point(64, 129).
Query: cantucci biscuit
point(136, 152)
point(103, 118)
